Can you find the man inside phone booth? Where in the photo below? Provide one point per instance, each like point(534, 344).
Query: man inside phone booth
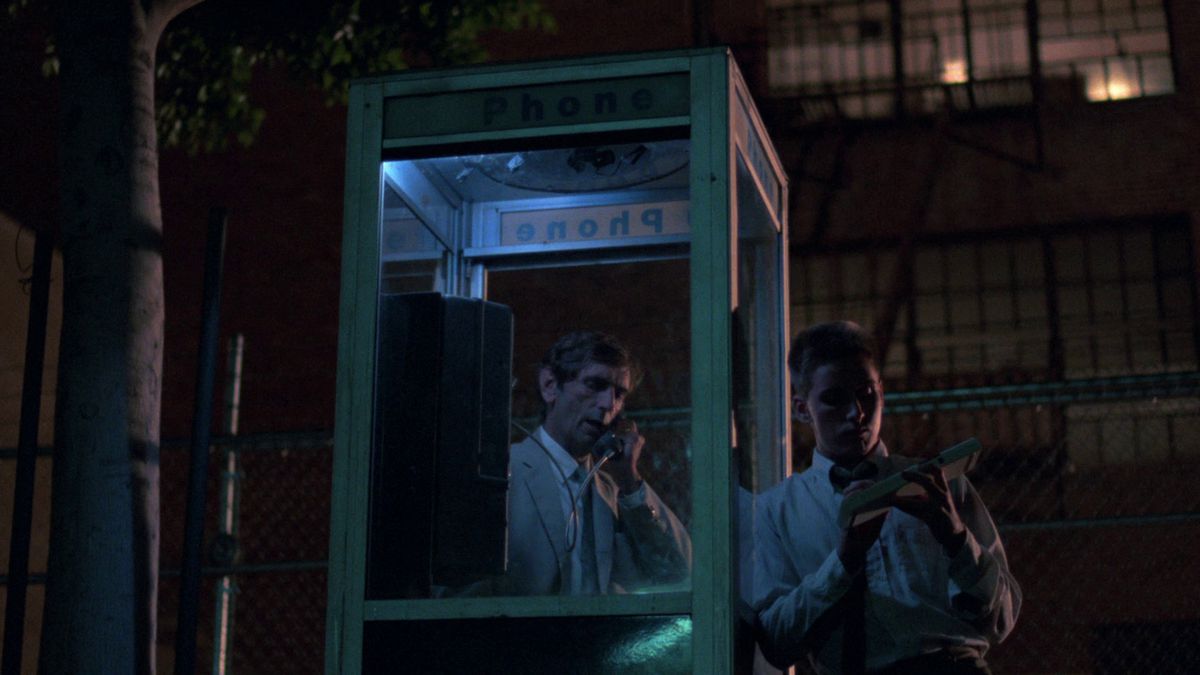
point(923, 587)
point(580, 518)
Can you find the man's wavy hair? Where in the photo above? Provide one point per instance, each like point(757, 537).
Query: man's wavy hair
point(571, 352)
point(824, 343)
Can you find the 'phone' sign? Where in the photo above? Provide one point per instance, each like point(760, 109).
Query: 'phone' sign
point(537, 106)
point(593, 223)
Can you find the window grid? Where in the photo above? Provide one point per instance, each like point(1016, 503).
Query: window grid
point(979, 315)
point(836, 56)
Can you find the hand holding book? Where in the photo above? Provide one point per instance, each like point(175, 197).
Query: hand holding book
point(875, 500)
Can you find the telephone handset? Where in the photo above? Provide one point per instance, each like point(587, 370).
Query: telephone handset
point(609, 445)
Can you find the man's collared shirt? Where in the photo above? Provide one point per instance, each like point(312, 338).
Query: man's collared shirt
point(566, 466)
point(919, 599)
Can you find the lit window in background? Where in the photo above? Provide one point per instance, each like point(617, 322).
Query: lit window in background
point(954, 71)
point(1111, 83)
point(1105, 80)
point(1107, 51)
point(836, 56)
point(1118, 88)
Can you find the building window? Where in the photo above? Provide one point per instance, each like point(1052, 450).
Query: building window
point(884, 58)
point(1103, 305)
point(1111, 49)
point(1118, 300)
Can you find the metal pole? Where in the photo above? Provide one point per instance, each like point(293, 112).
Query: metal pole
point(193, 537)
point(1037, 90)
point(227, 535)
point(31, 403)
point(896, 12)
point(702, 33)
point(968, 43)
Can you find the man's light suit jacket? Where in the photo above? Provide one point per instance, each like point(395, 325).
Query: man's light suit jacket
point(636, 547)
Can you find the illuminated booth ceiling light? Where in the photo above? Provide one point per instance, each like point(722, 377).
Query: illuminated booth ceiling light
point(596, 168)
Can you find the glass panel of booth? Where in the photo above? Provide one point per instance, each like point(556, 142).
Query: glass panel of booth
point(412, 254)
point(585, 308)
point(759, 416)
point(759, 315)
point(759, 342)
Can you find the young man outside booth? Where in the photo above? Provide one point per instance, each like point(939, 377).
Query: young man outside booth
point(575, 530)
point(922, 588)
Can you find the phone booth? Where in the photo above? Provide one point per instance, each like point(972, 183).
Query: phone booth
point(489, 211)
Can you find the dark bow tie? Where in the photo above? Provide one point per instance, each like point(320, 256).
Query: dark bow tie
point(840, 476)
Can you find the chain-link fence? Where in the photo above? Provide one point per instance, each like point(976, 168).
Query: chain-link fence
point(278, 566)
point(1092, 485)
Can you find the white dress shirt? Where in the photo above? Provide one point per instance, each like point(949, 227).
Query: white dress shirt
point(919, 599)
point(583, 578)
point(569, 488)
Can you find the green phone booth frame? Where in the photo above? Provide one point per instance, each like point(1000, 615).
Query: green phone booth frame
point(712, 108)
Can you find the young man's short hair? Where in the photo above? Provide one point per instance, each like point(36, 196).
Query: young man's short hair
point(824, 343)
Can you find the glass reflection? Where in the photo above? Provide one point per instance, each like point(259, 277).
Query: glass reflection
point(587, 247)
point(649, 645)
point(566, 395)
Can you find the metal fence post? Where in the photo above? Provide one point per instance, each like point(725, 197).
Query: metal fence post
point(31, 400)
point(226, 544)
point(193, 538)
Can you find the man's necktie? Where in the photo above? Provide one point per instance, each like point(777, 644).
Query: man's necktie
point(854, 628)
point(840, 476)
point(584, 566)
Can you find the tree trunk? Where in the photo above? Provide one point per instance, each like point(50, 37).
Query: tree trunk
point(101, 591)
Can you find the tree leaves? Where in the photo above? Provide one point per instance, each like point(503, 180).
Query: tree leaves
point(223, 43)
point(208, 56)
point(203, 91)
